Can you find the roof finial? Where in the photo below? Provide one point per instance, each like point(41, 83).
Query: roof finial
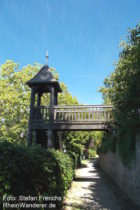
point(47, 56)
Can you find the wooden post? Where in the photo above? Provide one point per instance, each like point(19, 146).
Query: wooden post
point(50, 143)
point(51, 104)
point(38, 99)
point(55, 98)
point(57, 140)
point(31, 116)
point(38, 115)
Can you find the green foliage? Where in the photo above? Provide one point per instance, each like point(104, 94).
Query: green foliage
point(73, 146)
point(77, 144)
point(108, 143)
point(14, 100)
point(122, 90)
point(91, 153)
point(126, 145)
point(33, 171)
point(74, 158)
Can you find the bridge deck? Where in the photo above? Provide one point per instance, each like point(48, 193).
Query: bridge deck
point(72, 117)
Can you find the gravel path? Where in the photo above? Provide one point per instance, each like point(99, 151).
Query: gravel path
point(93, 190)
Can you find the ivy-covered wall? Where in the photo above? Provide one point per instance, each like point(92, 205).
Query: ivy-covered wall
point(128, 178)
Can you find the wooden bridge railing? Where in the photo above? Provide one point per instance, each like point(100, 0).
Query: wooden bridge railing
point(86, 113)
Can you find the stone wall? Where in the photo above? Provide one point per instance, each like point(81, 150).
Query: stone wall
point(127, 179)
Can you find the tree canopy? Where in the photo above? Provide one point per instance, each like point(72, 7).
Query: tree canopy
point(122, 87)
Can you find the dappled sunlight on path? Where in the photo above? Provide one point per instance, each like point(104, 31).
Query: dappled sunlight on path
point(93, 190)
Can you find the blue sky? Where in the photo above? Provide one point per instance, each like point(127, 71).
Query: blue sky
point(82, 37)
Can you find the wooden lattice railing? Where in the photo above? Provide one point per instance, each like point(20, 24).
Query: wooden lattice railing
point(41, 113)
point(81, 113)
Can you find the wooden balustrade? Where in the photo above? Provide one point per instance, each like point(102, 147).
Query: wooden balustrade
point(41, 113)
point(83, 113)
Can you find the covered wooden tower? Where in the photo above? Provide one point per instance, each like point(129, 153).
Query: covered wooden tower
point(43, 82)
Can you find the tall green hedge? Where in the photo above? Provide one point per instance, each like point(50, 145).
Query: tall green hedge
point(33, 171)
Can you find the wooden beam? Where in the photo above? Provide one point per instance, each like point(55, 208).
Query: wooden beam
point(32, 101)
point(97, 126)
point(50, 143)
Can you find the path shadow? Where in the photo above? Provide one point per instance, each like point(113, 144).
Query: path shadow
point(103, 193)
point(84, 179)
point(83, 165)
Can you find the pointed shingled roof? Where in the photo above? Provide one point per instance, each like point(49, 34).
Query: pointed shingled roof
point(44, 77)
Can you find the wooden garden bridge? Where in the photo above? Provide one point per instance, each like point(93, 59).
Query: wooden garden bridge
point(46, 121)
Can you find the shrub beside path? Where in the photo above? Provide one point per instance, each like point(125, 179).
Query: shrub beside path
point(93, 190)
